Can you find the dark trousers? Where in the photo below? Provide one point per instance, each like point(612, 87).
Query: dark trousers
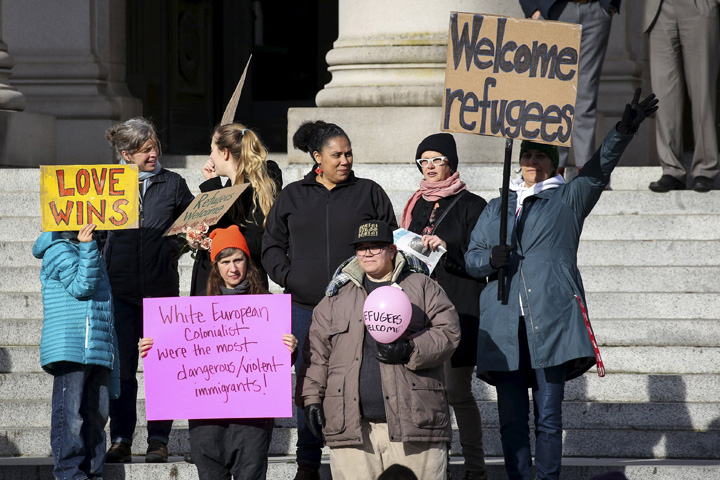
point(231, 448)
point(309, 447)
point(548, 390)
point(123, 414)
point(79, 415)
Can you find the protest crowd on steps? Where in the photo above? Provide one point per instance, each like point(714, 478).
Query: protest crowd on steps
point(512, 314)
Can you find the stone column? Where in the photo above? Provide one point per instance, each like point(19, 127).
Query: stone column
point(70, 63)
point(24, 137)
point(388, 67)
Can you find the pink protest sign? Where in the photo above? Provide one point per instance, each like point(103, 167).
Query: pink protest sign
point(217, 357)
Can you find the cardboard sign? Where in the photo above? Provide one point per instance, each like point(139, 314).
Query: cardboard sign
point(74, 195)
point(511, 77)
point(208, 208)
point(217, 357)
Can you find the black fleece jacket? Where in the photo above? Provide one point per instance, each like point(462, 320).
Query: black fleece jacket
point(309, 230)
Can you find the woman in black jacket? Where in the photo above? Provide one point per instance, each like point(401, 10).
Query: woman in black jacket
point(445, 213)
point(238, 154)
point(308, 235)
point(141, 263)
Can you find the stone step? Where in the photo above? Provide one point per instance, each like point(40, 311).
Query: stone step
point(611, 203)
point(595, 278)
point(283, 467)
point(641, 253)
point(608, 332)
point(613, 388)
point(624, 443)
point(600, 305)
point(597, 227)
point(648, 417)
point(678, 253)
point(635, 359)
point(393, 176)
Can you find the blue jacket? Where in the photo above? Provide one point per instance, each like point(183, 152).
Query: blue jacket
point(543, 272)
point(77, 304)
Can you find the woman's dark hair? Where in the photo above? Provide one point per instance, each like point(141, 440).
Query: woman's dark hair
point(314, 136)
point(215, 281)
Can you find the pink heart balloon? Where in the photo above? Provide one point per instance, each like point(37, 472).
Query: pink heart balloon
point(387, 312)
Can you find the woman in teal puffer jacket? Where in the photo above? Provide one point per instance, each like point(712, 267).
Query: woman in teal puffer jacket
point(539, 335)
point(78, 348)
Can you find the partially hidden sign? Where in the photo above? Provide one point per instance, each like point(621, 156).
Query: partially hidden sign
point(74, 195)
point(511, 77)
point(208, 208)
point(217, 357)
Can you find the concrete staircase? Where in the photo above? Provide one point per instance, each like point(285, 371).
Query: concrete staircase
point(652, 273)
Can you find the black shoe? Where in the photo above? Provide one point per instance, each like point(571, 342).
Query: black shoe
point(703, 184)
point(118, 453)
point(157, 452)
point(188, 458)
point(307, 472)
point(667, 183)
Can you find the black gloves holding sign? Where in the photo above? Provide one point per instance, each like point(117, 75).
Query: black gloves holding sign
point(636, 112)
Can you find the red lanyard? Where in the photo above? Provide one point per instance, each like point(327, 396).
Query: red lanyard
point(598, 358)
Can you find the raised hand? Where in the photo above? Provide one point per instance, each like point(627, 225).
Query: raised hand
point(636, 112)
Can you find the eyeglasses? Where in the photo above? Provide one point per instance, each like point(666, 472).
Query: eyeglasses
point(369, 249)
point(437, 161)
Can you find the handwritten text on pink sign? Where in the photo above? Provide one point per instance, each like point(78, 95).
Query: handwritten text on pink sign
point(217, 357)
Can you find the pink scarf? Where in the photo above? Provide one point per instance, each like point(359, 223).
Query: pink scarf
point(432, 192)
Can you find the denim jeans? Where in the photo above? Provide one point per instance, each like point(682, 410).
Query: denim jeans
point(224, 447)
point(123, 414)
point(309, 447)
point(79, 414)
point(548, 389)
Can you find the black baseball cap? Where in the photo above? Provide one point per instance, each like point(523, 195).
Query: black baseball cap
point(373, 231)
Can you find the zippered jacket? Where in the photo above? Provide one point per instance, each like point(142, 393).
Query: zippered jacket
point(543, 273)
point(77, 304)
point(141, 262)
point(309, 229)
point(415, 398)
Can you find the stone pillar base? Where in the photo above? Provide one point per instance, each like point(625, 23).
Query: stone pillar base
point(392, 134)
point(26, 139)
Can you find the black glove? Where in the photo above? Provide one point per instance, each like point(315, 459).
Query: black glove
point(636, 112)
point(395, 353)
point(500, 256)
point(315, 419)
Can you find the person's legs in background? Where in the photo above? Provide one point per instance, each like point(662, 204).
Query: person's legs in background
point(309, 447)
point(458, 382)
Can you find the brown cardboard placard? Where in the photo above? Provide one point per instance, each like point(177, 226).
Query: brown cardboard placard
point(511, 77)
point(208, 208)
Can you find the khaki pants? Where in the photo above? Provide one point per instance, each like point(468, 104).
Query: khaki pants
point(427, 459)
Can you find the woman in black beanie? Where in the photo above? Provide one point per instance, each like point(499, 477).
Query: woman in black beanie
point(444, 212)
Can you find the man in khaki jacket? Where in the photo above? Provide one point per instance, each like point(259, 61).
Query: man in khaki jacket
point(379, 404)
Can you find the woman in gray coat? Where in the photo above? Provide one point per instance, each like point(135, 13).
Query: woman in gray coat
point(539, 336)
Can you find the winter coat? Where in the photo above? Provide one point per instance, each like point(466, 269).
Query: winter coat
point(543, 272)
point(141, 262)
point(309, 230)
point(252, 230)
point(77, 304)
point(415, 399)
point(462, 289)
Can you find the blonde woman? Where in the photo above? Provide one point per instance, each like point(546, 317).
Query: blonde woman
point(237, 153)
